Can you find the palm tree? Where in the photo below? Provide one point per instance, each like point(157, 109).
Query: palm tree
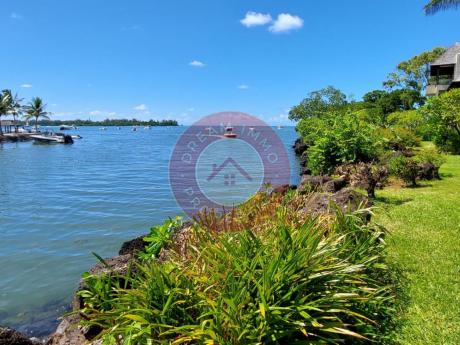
point(36, 109)
point(4, 107)
point(435, 6)
point(14, 106)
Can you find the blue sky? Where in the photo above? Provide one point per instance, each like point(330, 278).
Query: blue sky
point(186, 59)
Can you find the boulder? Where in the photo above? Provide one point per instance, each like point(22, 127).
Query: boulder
point(299, 146)
point(428, 171)
point(133, 246)
point(9, 336)
point(68, 333)
point(283, 189)
point(309, 183)
point(334, 185)
point(348, 200)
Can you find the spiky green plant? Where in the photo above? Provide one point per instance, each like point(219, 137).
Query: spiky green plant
point(313, 283)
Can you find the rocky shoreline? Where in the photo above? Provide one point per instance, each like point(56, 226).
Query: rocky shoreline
point(324, 190)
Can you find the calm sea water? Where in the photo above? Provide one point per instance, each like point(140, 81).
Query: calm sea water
point(59, 203)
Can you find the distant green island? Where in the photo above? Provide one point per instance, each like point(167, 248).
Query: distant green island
point(108, 122)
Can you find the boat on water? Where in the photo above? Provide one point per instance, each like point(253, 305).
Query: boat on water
point(229, 133)
point(67, 127)
point(52, 138)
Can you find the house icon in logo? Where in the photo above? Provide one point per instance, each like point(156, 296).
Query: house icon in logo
point(229, 178)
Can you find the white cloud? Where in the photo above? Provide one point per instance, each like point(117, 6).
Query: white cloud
point(112, 113)
point(196, 63)
point(14, 15)
point(255, 19)
point(191, 109)
point(286, 22)
point(141, 107)
point(26, 86)
point(95, 112)
point(243, 87)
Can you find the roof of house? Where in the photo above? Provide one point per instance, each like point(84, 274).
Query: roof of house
point(449, 57)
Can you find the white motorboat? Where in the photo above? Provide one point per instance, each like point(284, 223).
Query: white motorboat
point(52, 138)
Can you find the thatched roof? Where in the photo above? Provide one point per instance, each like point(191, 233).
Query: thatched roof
point(449, 57)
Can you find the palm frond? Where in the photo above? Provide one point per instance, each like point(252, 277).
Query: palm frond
point(434, 6)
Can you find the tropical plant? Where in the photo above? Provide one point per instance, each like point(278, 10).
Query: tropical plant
point(341, 140)
point(159, 237)
point(435, 6)
point(312, 282)
point(5, 102)
point(36, 109)
point(14, 107)
point(443, 114)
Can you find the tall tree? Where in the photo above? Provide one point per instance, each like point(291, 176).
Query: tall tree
point(4, 107)
point(14, 107)
point(415, 72)
point(318, 103)
point(36, 109)
point(434, 6)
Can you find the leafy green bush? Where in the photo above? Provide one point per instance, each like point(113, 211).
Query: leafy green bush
point(398, 138)
point(342, 139)
point(443, 114)
point(405, 168)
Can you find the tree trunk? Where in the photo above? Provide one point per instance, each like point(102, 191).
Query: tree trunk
point(1, 130)
point(15, 124)
point(36, 124)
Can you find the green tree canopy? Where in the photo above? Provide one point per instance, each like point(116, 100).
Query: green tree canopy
point(380, 103)
point(443, 113)
point(318, 103)
point(413, 73)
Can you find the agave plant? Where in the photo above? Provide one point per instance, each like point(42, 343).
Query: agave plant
point(435, 6)
point(36, 109)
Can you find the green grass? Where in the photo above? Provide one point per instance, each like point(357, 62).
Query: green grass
point(424, 224)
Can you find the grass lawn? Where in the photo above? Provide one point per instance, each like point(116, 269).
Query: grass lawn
point(424, 241)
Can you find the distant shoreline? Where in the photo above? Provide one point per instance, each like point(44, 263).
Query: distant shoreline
point(105, 123)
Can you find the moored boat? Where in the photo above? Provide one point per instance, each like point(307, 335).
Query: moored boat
point(52, 138)
point(229, 133)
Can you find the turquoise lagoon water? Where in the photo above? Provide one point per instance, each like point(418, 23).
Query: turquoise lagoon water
point(59, 203)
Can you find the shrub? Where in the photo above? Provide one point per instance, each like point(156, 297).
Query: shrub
point(405, 168)
point(343, 139)
point(443, 114)
point(399, 139)
point(429, 162)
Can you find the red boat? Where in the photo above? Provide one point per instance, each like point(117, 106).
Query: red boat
point(229, 133)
